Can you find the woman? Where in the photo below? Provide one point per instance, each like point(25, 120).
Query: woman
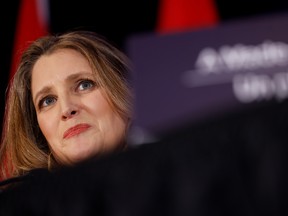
point(70, 100)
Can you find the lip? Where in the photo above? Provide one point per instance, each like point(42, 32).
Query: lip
point(75, 130)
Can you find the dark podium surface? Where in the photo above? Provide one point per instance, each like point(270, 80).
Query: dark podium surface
point(235, 164)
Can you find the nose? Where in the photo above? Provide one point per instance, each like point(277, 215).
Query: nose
point(69, 108)
point(69, 113)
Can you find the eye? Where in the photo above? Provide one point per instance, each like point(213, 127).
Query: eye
point(85, 84)
point(46, 101)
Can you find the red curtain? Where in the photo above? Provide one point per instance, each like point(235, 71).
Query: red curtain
point(32, 23)
point(179, 15)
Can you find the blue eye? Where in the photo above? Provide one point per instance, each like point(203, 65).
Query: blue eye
point(47, 101)
point(86, 84)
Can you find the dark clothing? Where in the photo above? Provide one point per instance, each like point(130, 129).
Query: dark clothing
point(230, 165)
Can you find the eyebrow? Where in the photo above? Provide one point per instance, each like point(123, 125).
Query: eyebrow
point(69, 78)
point(44, 90)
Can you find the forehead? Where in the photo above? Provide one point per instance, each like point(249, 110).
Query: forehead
point(59, 59)
point(57, 66)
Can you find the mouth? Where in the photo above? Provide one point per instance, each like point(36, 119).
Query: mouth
point(75, 130)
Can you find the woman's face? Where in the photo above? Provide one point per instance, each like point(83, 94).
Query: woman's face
point(72, 112)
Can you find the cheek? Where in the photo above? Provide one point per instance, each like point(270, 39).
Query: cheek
point(47, 126)
point(97, 104)
point(120, 127)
